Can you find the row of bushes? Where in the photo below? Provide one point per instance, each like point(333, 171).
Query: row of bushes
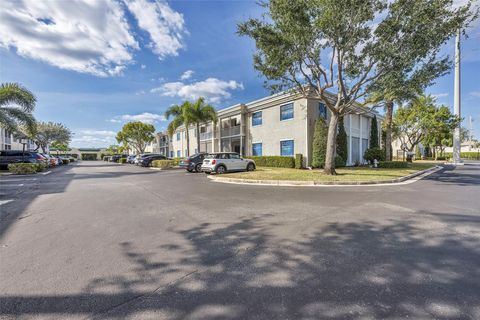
point(164, 164)
point(275, 161)
point(393, 164)
point(465, 155)
point(26, 168)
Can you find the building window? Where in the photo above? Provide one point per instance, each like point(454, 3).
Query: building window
point(286, 112)
point(257, 118)
point(256, 149)
point(322, 110)
point(286, 147)
point(196, 150)
point(172, 154)
point(178, 136)
point(185, 154)
point(178, 154)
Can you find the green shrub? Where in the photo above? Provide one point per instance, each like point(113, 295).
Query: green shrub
point(274, 161)
point(319, 148)
point(164, 164)
point(374, 153)
point(22, 168)
point(298, 161)
point(374, 133)
point(339, 162)
point(122, 160)
point(393, 164)
point(176, 161)
point(472, 155)
point(39, 167)
point(441, 158)
point(342, 149)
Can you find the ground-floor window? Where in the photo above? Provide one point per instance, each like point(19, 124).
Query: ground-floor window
point(172, 154)
point(256, 149)
point(355, 150)
point(179, 153)
point(364, 146)
point(286, 147)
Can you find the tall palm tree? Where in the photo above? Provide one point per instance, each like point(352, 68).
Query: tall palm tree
point(202, 113)
point(182, 115)
point(12, 116)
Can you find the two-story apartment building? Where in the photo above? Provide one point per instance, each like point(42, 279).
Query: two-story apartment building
point(282, 124)
point(9, 142)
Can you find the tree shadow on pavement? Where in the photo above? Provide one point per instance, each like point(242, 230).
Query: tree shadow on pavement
point(243, 270)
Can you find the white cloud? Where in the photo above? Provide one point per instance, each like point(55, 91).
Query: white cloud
point(143, 66)
point(212, 89)
point(94, 138)
point(164, 25)
point(145, 117)
point(88, 36)
point(440, 95)
point(187, 75)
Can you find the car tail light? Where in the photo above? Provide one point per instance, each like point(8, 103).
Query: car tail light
point(187, 161)
point(214, 161)
point(39, 157)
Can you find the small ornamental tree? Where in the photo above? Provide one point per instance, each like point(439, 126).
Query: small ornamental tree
point(342, 149)
point(319, 143)
point(374, 133)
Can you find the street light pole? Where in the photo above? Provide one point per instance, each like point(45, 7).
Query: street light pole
point(456, 103)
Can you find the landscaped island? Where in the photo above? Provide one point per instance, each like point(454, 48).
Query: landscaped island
point(348, 174)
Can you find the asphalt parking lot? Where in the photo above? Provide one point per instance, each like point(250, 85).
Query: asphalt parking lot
point(97, 240)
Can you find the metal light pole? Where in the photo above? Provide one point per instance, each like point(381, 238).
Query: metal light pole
point(456, 103)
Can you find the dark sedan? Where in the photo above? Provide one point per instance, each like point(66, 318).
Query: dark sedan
point(194, 162)
point(147, 161)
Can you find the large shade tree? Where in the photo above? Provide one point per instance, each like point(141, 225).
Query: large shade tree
point(201, 112)
point(45, 134)
point(421, 120)
point(16, 106)
point(348, 47)
point(137, 135)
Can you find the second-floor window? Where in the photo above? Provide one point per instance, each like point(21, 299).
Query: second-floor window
point(322, 110)
point(256, 118)
point(178, 136)
point(286, 112)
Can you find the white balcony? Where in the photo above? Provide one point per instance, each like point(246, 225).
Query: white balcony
point(205, 135)
point(231, 131)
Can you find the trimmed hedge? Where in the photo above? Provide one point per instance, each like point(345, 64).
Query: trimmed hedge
point(393, 164)
point(274, 161)
point(41, 167)
point(164, 164)
point(176, 161)
point(471, 155)
point(23, 168)
point(122, 160)
point(89, 156)
point(298, 161)
point(374, 153)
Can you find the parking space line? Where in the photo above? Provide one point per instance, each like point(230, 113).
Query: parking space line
point(16, 180)
point(11, 185)
point(5, 201)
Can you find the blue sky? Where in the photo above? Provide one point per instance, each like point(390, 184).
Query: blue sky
point(97, 65)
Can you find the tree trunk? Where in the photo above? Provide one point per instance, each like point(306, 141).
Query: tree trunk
point(388, 130)
point(188, 141)
point(43, 148)
point(434, 151)
point(331, 145)
point(198, 137)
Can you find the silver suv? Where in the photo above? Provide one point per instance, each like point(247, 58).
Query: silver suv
point(222, 162)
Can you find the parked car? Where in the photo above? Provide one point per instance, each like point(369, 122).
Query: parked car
point(18, 156)
point(139, 158)
point(117, 157)
point(194, 162)
point(147, 161)
point(131, 158)
point(222, 162)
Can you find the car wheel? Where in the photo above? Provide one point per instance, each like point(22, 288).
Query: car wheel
point(221, 169)
point(198, 167)
point(250, 167)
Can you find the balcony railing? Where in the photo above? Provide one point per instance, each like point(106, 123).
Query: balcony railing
point(205, 135)
point(232, 131)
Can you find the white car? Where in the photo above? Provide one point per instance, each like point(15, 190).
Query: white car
point(222, 162)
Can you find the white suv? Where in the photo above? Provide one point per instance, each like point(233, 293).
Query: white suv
point(226, 161)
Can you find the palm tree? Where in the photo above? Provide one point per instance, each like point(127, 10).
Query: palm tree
point(182, 115)
point(202, 113)
point(13, 116)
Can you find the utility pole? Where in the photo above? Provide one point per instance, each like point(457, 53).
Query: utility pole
point(456, 103)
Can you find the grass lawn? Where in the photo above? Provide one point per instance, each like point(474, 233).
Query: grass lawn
point(343, 174)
